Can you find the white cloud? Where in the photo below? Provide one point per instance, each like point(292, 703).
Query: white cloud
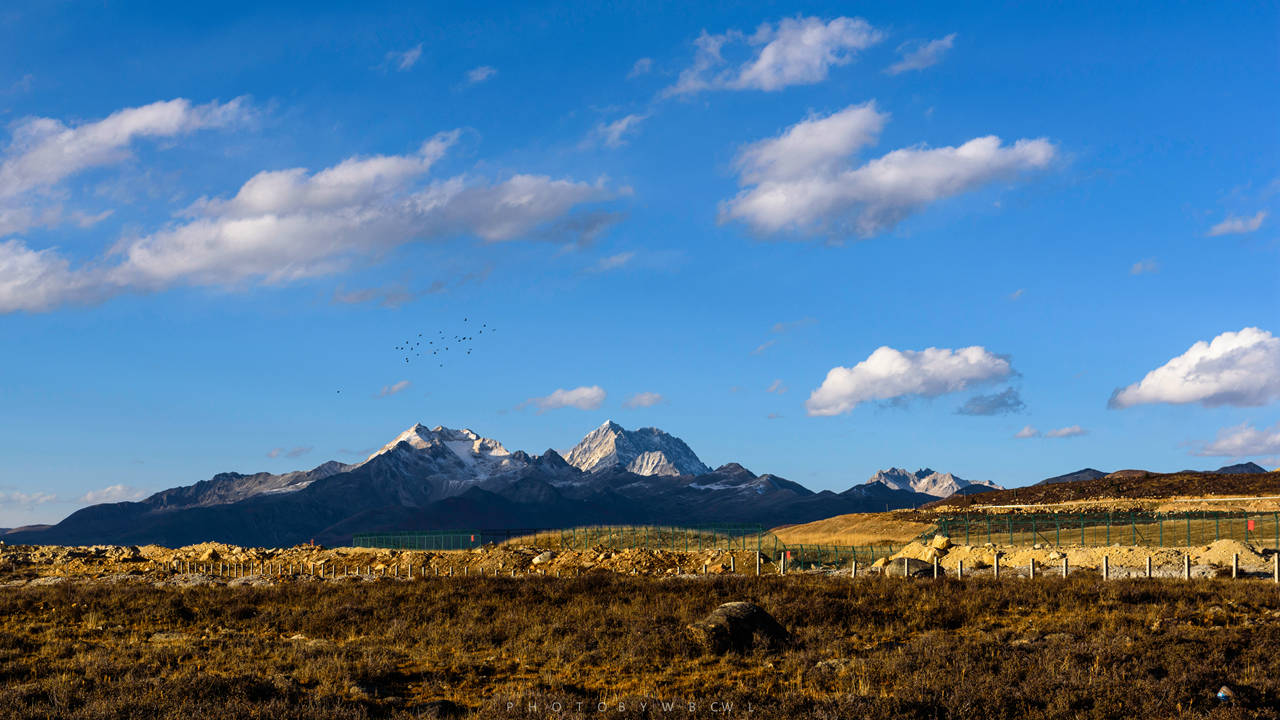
point(917, 55)
point(643, 399)
point(776, 387)
point(889, 374)
point(582, 398)
point(478, 75)
point(642, 67)
point(283, 225)
point(612, 262)
point(804, 180)
point(112, 494)
point(797, 51)
point(764, 346)
point(1143, 267)
point(1244, 440)
point(44, 151)
point(394, 388)
point(1027, 432)
point(1235, 368)
point(26, 499)
point(789, 325)
point(1235, 225)
point(1001, 403)
point(614, 134)
point(407, 59)
point(1066, 432)
point(1017, 294)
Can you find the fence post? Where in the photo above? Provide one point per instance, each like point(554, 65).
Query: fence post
point(1188, 529)
point(733, 563)
point(1148, 567)
point(1106, 567)
point(1275, 572)
point(960, 570)
point(757, 563)
point(935, 568)
point(905, 572)
point(1031, 569)
point(996, 555)
point(853, 567)
point(1186, 566)
point(1064, 566)
point(1235, 565)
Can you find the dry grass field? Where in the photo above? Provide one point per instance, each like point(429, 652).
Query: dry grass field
point(544, 647)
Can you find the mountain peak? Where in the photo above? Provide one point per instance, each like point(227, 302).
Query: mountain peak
point(925, 480)
point(647, 451)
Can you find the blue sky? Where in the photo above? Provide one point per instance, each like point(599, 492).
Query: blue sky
point(802, 237)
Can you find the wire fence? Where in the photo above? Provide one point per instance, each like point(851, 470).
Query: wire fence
point(674, 538)
point(1179, 529)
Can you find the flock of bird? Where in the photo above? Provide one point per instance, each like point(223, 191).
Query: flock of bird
point(439, 346)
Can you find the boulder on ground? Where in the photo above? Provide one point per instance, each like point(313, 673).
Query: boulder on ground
point(543, 558)
point(738, 626)
point(210, 555)
point(910, 567)
point(941, 542)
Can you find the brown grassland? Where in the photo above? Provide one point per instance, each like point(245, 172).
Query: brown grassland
point(874, 647)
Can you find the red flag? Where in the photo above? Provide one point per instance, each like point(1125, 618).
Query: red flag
point(473, 538)
point(1251, 526)
point(788, 554)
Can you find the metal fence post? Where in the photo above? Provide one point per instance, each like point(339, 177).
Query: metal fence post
point(1106, 567)
point(1186, 566)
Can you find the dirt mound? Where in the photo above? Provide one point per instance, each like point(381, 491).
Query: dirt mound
point(1221, 552)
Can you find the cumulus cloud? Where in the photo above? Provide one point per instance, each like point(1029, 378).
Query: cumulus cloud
point(889, 374)
point(1235, 225)
point(1001, 403)
point(44, 152)
point(112, 494)
point(795, 51)
point(1241, 369)
point(1066, 432)
point(642, 67)
point(406, 59)
point(478, 75)
point(614, 134)
point(804, 180)
point(285, 225)
point(918, 55)
point(394, 388)
point(1244, 440)
point(582, 398)
point(1027, 432)
point(26, 499)
point(1143, 267)
point(643, 400)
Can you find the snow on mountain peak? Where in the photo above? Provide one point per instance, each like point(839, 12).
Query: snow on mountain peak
point(647, 451)
point(469, 447)
point(925, 481)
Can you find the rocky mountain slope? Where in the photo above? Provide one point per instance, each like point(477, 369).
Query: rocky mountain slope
point(441, 478)
point(926, 481)
point(647, 451)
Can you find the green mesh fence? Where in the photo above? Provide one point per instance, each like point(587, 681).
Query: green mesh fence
point(1181, 529)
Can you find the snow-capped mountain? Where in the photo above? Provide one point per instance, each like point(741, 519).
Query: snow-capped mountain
point(647, 451)
point(441, 478)
point(926, 481)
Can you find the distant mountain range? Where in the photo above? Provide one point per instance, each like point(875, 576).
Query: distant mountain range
point(441, 478)
point(1248, 468)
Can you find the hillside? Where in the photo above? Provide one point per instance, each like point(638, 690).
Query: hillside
point(1126, 487)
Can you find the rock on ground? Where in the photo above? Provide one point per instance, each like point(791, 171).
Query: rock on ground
point(738, 626)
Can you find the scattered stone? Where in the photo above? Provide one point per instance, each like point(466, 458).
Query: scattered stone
point(737, 626)
point(913, 568)
point(543, 558)
point(940, 542)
